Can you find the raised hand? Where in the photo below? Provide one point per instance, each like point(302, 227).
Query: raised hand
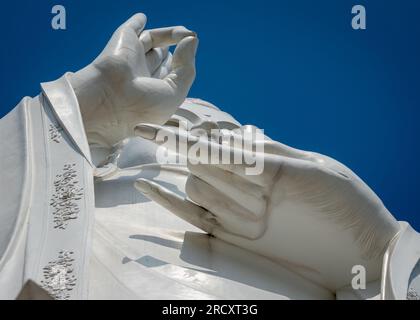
point(135, 80)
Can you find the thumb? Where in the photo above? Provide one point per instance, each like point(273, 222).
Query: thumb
point(183, 65)
point(136, 22)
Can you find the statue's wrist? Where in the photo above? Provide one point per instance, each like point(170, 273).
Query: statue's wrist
point(86, 84)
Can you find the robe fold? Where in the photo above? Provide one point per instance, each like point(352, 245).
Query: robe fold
point(55, 235)
point(47, 195)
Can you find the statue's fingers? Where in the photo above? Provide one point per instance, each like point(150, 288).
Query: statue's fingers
point(155, 58)
point(256, 167)
point(277, 148)
point(175, 139)
point(137, 22)
point(163, 37)
point(180, 141)
point(266, 145)
point(178, 205)
point(241, 191)
point(183, 66)
point(164, 69)
point(161, 72)
point(254, 139)
point(232, 216)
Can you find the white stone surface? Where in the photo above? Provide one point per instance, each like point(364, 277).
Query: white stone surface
point(87, 213)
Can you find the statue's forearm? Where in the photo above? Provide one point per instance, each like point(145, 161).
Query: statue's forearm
point(88, 87)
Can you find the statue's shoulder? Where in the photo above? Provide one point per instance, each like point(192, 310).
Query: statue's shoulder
point(46, 201)
point(14, 164)
point(15, 190)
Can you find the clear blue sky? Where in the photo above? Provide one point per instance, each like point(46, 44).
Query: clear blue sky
point(294, 68)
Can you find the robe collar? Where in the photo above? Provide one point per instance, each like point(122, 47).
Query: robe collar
point(64, 104)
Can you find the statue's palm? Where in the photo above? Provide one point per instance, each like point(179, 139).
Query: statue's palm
point(137, 80)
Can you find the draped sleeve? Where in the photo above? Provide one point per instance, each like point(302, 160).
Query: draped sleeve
point(46, 195)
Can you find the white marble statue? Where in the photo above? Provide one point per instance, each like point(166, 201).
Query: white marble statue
point(88, 211)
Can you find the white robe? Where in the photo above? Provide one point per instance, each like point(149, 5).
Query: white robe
point(127, 247)
point(47, 195)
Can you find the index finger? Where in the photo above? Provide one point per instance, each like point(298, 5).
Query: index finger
point(162, 37)
point(136, 22)
point(238, 161)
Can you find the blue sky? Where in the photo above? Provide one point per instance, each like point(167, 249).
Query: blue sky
point(295, 68)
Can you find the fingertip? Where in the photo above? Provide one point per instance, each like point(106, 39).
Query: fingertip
point(191, 39)
point(137, 22)
point(140, 17)
point(181, 32)
point(183, 62)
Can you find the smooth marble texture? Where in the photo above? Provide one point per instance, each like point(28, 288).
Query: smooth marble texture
point(89, 211)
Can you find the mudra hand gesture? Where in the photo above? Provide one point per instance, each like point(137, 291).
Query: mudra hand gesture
point(135, 79)
point(305, 210)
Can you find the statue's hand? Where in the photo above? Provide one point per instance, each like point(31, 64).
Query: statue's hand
point(304, 207)
point(135, 80)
